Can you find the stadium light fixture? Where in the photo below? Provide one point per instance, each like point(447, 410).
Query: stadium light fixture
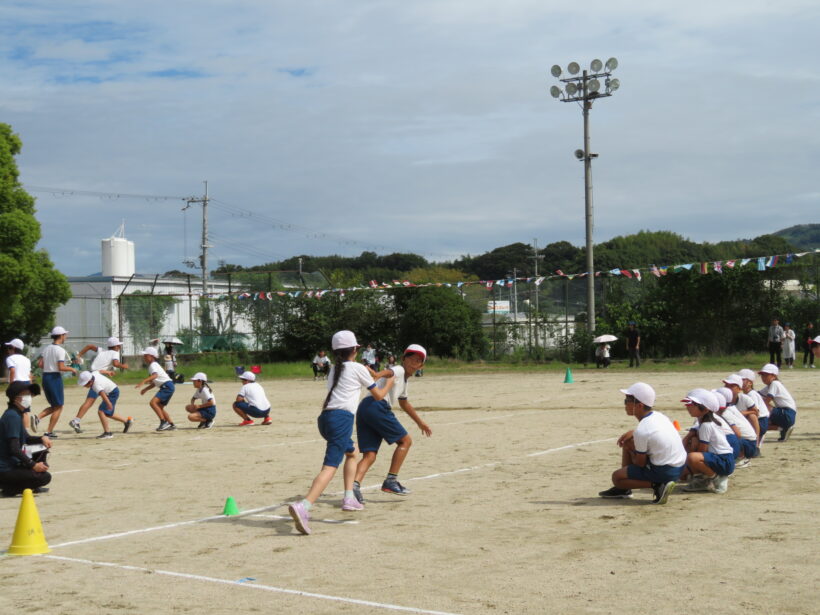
point(585, 89)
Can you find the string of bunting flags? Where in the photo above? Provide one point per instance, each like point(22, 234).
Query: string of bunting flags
point(761, 263)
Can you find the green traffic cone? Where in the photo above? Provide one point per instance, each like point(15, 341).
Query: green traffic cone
point(568, 378)
point(231, 508)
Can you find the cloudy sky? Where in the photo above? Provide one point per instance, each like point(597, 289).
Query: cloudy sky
point(333, 127)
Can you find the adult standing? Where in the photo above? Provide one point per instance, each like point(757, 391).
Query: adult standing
point(633, 344)
point(17, 470)
point(808, 338)
point(788, 345)
point(776, 336)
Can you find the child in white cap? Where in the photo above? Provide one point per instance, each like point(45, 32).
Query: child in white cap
point(744, 438)
point(203, 413)
point(105, 362)
point(251, 401)
point(344, 383)
point(158, 378)
point(53, 363)
point(652, 455)
point(762, 410)
point(782, 409)
point(18, 364)
point(375, 422)
point(711, 459)
point(109, 392)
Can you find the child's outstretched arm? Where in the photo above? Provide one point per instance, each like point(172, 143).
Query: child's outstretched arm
point(148, 381)
point(411, 412)
point(380, 393)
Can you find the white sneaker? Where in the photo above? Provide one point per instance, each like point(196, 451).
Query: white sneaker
point(743, 463)
point(719, 484)
point(697, 482)
point(75, 425)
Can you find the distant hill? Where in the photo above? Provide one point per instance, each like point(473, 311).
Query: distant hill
point(802, 236)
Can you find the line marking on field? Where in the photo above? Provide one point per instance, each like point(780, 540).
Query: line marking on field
point(67, 471)
point(250, 585)
point(263, 509)
point(288, 518)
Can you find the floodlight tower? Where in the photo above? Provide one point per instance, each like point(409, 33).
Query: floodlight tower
point(585, 89)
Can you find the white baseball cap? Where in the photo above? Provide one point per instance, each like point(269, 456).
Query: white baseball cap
point(769, 368)
point(734, 379)
point(724, 396)
point(151, 351)
point(200, 376)
point(417, 349)
point(113, 341)
point(85, 378)
point(703, 397)
point(343, 339)
point(642, 392)
point(249, 376)
point(748, 374)
point(58, 330)
point(16, 343)
point(816, 340)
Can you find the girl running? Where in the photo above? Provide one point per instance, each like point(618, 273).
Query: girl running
point(375, 422)
point(158, 378)
point(109, 392)
point(205, 412)
point(783, 410)
point(711, 455)
point(336, 425)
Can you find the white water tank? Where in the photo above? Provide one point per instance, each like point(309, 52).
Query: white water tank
point(118, 257)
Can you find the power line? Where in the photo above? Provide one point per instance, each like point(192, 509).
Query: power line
point(105, 195)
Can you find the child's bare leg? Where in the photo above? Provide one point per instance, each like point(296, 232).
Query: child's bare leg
point(196, 417)
point(367, 460)
point(320, 483)
point(104, 420)
point(241, 413)
point(400, 454)
point(157, 408)
point(349, 470)
point(54, 417)
point(698, 465)
point(87, 403)
point(117, 417)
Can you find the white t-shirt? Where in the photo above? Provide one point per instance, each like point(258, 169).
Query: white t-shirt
point(204, 395)
point(602, 351)
point(52, 355)
point(657, 437)
point(104, 360)
point(254, 394)
point(780, 396)
point(734, 417)
point(162, 376)
point(400, 384)
point(170, 362)
point(102, 383)
point(317, 360)
point(369, 355)
point(21, 365)
point(711, 434)
point(760, 404)
point(348, 390)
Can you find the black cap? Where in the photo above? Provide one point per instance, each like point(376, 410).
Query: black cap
point(17, 387)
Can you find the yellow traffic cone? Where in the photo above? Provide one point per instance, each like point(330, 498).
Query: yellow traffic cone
point(28, 536)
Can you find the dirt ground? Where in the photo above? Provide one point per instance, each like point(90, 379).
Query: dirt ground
point(504, 516)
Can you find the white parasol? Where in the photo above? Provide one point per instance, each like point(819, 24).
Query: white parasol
point(603, 339)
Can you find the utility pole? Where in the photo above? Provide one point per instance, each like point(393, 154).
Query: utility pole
point(203, 256)
point(537, 288)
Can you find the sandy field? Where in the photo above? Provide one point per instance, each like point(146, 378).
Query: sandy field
point(504, 516)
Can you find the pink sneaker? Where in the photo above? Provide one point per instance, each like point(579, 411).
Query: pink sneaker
point(300, 517)
point(352, 504)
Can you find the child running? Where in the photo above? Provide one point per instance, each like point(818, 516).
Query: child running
point(711, 459)
point(783, 410)
point(106, 389)
point(53, 363)
point(375, 422)
point(205, 412)
point(652, 455)
point(251, 401)
point(336, 425)
point(158, 378)
point(104, 363)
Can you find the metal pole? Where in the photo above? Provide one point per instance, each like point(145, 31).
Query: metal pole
point(588, 210)
point(537, 288)
point(205, 241)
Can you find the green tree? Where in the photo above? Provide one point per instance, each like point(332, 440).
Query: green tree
point(31, 287)
point(146, 314)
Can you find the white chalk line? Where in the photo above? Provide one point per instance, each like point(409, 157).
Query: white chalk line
point(168, 526)
point(249, 585)
point(331, 521)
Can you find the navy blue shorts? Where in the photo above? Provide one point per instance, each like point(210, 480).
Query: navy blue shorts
point(92, 394)
point(749, 448)
point(723, 464)
point(782, 417)
point(764, 425)
point(734, 442)
point(654, 474)
point(251, 410)
point(53, 388)
point(208, 413)
point(113, 396)
point(336, 427)
point(165, 393)
point(375, 422)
